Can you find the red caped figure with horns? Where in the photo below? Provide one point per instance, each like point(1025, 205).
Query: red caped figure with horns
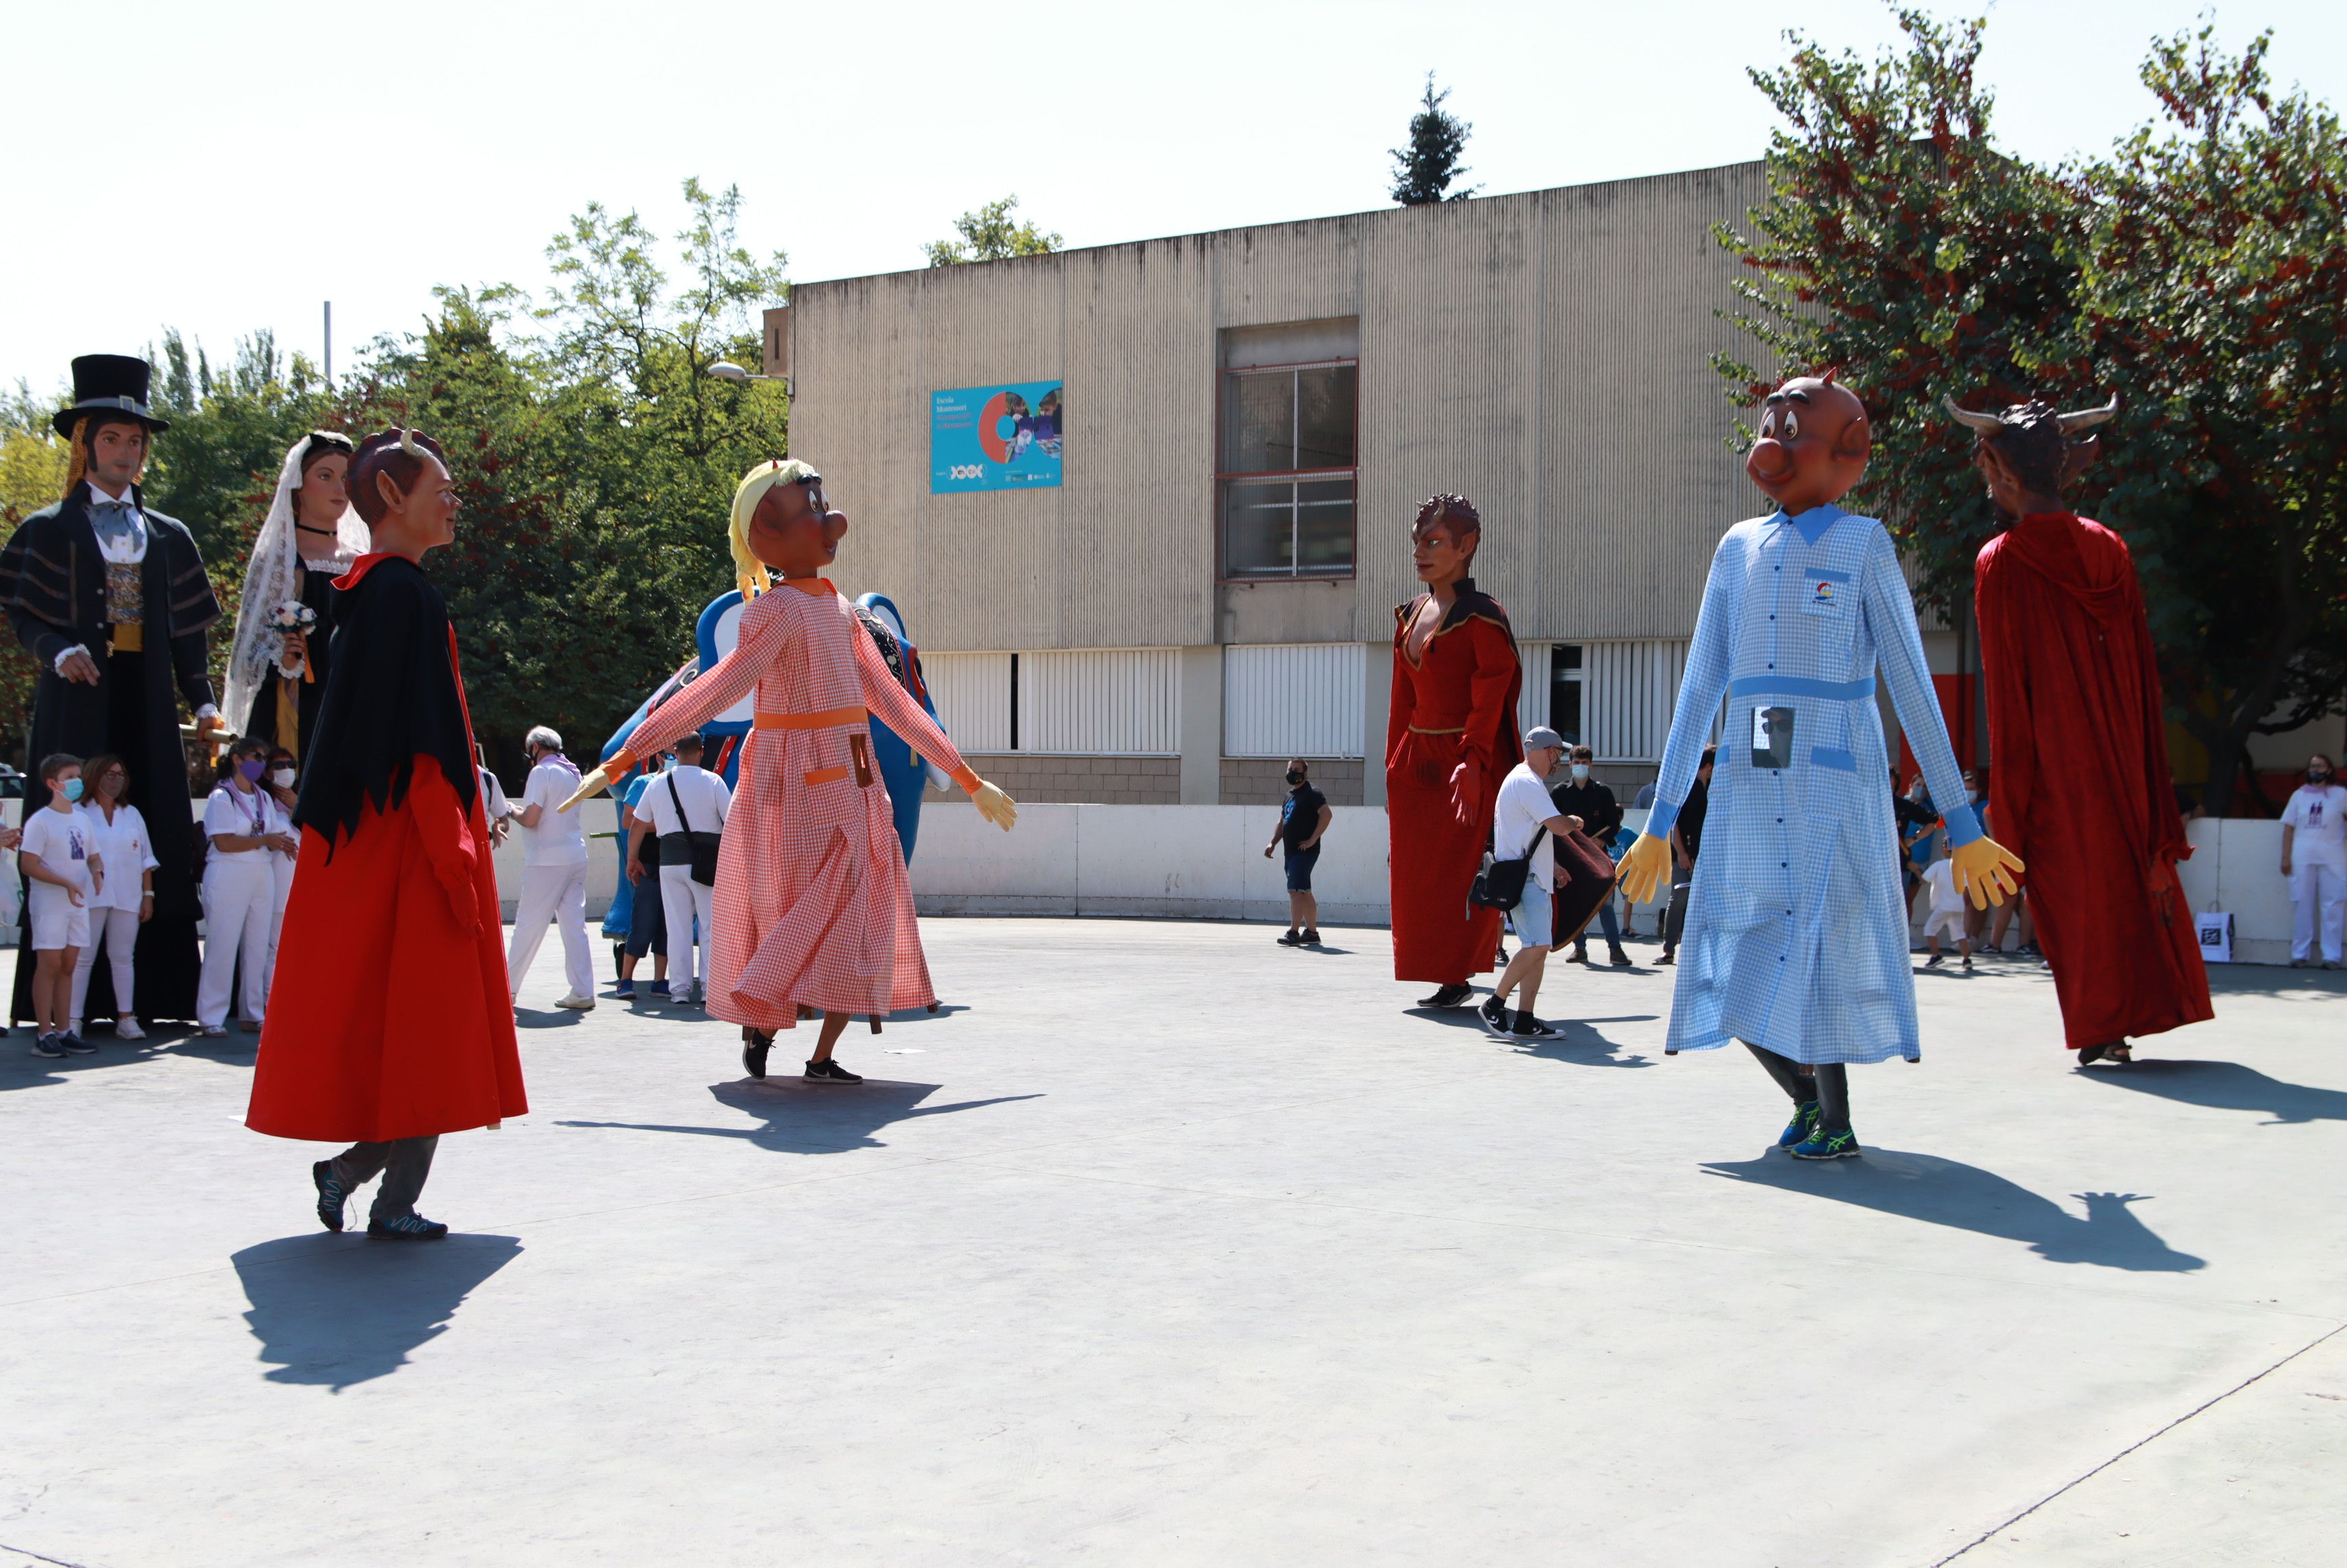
point(2081, 786)
point(1450, 738)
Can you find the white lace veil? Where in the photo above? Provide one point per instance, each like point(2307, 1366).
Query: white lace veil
point(272, 575)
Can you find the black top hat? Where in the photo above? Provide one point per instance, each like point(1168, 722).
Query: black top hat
point(109, 383)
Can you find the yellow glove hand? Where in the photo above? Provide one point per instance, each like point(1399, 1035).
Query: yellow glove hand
point(1983, 871)
point(995, 806)
point(1644, 868)
point(593, 783)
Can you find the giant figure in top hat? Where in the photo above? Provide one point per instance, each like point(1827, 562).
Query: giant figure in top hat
point(111, 597)
point(2076, 725)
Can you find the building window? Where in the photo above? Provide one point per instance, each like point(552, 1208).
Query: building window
point(1287, 476)
point(1564, 678)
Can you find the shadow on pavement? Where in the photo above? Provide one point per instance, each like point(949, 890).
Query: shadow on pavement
point(2225, 1086)
point(1584, 1046)
point(802, 1117)
point(1948, 1193)
point(340, 1310)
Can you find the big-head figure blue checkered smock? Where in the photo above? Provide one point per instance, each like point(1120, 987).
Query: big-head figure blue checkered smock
point(1797, 923)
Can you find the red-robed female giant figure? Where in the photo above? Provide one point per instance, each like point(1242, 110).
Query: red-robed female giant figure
point(2080, 788)
point(1450, 738)
point(390, 1021)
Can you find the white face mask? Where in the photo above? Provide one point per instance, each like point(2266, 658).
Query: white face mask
point(282, 778)
point(1581, 770)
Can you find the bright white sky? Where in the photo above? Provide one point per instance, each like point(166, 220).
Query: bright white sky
point(227, 166)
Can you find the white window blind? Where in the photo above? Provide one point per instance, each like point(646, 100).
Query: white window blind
point(1629, 691)
point(1293, 699)
point(972, 692)
point(1122, 701)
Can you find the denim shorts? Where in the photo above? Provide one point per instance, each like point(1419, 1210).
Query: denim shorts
point(1300, 863)
point(1534, 918)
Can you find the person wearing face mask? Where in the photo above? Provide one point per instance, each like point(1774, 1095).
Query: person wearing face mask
point(60, 859)
point(2314, 858)
point(554, 874)
point(1576, 794)
point(119, 836)
point(1304, 818)
point(246, 827)
point(279, 781)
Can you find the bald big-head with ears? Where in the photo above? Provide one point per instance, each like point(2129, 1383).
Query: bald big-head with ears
point(1813, 444)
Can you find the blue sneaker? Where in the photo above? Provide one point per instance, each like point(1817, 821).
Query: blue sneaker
point(1821, 1144)
point(657, 989)
point(330, 1196)
point(1804, 1122)
point(47, 1045)
point(625, 991)
point(408, 1228)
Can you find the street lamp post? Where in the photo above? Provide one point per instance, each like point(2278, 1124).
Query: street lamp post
point(726, 370)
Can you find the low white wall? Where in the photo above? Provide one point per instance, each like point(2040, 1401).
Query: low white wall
point(2236, 865)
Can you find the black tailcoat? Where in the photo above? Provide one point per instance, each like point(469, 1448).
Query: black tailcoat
point(53, 584)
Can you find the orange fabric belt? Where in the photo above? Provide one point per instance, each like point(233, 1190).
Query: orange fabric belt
point(1415, 730)
point(828, 719)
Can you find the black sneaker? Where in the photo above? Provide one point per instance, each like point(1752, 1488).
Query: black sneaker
point(1619, 959)
point(408, 1228)
point(1667, 957)
point(330, 1196)
point(1933, 961)
point(46, 1045)
point(1291, 939)
point(829, 1071)
point(1530, 1028)
point(76, 1044)
point(754, 1046)
point(1495, 1015)
point(1311, 937)
point(1448, 996)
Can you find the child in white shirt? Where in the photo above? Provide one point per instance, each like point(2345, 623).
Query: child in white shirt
point(65, 872)
point(1947, 908)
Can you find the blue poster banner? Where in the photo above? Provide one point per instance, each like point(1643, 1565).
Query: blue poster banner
point(1003, 438)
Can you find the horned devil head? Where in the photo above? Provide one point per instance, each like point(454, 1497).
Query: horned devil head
point(1813, 443)
point(2027, 448)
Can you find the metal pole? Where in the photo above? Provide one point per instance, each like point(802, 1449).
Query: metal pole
point(330, 343)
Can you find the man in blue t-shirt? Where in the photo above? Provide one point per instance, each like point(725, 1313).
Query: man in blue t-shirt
point(1304, 816)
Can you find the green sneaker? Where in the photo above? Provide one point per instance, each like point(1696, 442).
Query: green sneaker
point(1804, 1122)
point(1821, 1144)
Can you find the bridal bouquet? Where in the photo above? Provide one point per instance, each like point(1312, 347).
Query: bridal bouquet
point(293, 616)
point(291, 619)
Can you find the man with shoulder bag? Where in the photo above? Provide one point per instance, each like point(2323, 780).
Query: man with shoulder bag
point(1526, 825)
point(687, 807)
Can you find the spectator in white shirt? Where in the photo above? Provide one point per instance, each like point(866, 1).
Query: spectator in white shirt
point(1947, 908)
point(1523, 813)
point(247, 828)
point(686, 800)
point(118, 837)
point(2314, 858)
point(278, 784)
point(554, 873)
point(59, 857)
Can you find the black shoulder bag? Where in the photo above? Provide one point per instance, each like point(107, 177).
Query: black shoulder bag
point(698, 850)
point(1499, 883)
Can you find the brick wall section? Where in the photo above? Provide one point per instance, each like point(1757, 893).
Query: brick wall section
point(1029, 777)
point(1259, 781)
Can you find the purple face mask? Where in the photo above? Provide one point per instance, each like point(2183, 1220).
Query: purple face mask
point(253, 768)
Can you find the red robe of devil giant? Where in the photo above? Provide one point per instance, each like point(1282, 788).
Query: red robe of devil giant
point(389, 1016)
point(2080, 789)
point(1458, 704)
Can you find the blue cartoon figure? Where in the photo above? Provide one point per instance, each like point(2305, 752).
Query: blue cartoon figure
point(905, 773)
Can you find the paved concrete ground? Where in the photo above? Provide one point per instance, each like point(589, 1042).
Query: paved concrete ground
point(1164, 1245)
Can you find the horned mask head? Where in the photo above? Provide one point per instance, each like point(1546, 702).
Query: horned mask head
point(2034, 440)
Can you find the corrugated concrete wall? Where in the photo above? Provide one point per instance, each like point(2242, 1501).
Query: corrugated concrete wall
point(1546, 354)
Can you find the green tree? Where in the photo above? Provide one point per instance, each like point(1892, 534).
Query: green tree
point(1902, 245)
point(1424, 170)
point(991, 234)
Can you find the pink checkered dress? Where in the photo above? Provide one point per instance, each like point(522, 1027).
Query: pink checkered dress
point(812, 902)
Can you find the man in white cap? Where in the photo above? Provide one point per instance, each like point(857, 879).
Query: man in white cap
point(554, 877)
point(1524, 823)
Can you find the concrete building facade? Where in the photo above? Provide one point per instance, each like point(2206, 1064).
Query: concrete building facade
point(1249, 421)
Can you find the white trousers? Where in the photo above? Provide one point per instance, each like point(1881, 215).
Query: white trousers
point(2318, 889)
point(555, 893)
point(280, 867)
point(239, 896)
point(683, 901)
point(118, 929)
